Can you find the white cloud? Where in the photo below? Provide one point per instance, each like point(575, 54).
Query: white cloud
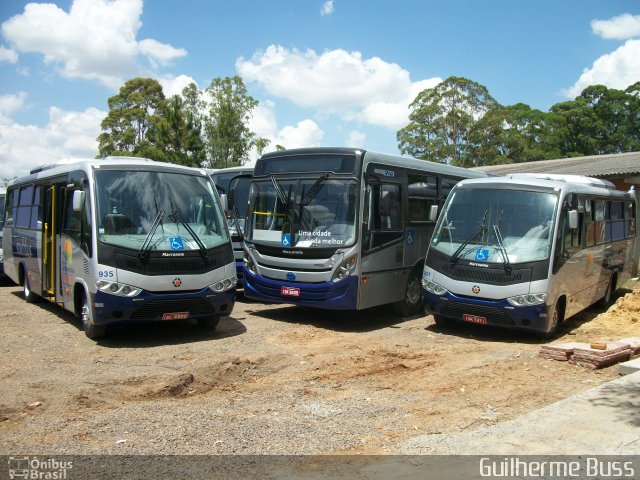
point(8, 55)
point(617, 69)
point(356, 139)
point(67, 134)
point(95, 40)
point(336, 81)
point(327, 8)
point(11, 103)
point(160, 53)
point(174, 85)
point(621, 27)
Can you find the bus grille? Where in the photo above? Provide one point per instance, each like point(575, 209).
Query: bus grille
point(490, 276)
point(166, 266)
point(154, 309)
point(493, 315)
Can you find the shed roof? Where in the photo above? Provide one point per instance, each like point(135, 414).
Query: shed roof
point(603, 166)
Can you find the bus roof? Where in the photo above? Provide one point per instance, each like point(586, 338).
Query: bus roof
point(69, 164)
point(240, 169)
point(369, 156)
point(569, 183)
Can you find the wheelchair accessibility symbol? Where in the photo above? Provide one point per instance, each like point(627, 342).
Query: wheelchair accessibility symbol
point(176, 243)
point(411, 235)
point(482, 254)
point(286, 240)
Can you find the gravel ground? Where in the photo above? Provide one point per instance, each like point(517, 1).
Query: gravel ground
point(270, 379)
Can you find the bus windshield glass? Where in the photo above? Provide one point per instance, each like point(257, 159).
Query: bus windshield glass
point(496, 226)
point(158, 211)
point(314, 212)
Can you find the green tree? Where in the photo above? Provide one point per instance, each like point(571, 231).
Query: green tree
point(132, 112)
point(261, 144)
point(441, 120)
point(228, 138)
point(176, 136)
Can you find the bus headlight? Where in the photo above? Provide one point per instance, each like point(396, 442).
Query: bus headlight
point(119, 289)
point(224, 284)
point(433, 287)
point(248, 263)
point(528, 300)
point(345, 269)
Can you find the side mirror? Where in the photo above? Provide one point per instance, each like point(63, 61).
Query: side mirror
point(573, 219)
point(78, 200)
point(366, 215)
point(224, 202)
point(433, 213)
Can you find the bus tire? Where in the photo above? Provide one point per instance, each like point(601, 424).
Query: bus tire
point(412, 301)
point(556, 319)
point(91, 330)
point(208, 323)
point(606, 301)
point(29, 296)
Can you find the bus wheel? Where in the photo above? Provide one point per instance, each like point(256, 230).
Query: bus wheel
point(606, 301)
point(412, 302)
point(29, 296)
point(91, 330)
point(208, 323)
point(556, 319)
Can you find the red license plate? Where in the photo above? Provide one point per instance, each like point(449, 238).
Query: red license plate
point(175, 316)
point(289, 292)
point(474, 319)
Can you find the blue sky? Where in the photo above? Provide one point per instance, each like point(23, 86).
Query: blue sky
point(330, 73)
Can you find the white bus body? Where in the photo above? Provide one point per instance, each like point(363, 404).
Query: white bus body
point(528, 251)
point(120, 240)
point(342, 228)
point(3, 194)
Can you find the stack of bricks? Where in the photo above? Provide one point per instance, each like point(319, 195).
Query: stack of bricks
point(561, 351)
point(593, 358)
point(594, 355)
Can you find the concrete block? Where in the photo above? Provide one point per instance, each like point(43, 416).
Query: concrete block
point(632, 366)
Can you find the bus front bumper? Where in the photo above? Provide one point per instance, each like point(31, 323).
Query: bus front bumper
point(149, 306)
point(328, 295)
point(487, 312)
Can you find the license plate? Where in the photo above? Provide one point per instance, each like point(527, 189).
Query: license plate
point(289, 292)
point(175, 316)
point(474, 319)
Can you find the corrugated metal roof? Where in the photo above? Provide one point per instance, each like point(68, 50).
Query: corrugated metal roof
point(603, 166)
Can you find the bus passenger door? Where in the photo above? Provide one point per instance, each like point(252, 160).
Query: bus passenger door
point(382, 248)
point(49, 242)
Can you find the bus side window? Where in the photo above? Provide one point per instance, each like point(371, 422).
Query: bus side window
point(600, 224)
point(589, 218)
point(617, 221)
point(24, 207)
point(386, 215)
point(422, 193)
point(446, 184)
point(12, 205)
point(77, 225)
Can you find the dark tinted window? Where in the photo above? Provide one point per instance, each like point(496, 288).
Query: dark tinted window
point(306, 163)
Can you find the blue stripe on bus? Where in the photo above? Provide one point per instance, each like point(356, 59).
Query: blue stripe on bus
point(328, 295)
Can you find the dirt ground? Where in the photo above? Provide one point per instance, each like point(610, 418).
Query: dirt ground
point(275, 379)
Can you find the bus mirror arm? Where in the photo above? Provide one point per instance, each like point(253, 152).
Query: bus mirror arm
point(78, 200)
point(433, 213)
point(573, 219)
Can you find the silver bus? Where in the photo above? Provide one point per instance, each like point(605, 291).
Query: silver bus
point(234, 182)
point(3, 196)
point(528, 251)
point(120, 240)
point(342, 228)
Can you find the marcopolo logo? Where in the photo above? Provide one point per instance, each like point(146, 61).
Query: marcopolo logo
point(38, 468)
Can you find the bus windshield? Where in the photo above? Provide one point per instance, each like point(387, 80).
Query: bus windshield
point(158, 211)
point(313, 212)
point(496, 225)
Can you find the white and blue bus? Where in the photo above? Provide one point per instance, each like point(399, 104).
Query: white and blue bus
point(342, 228)
point(120, 240)
point(528, 251)
point(234, 182)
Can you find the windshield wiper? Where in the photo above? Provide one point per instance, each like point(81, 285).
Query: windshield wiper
point(175, 215)
point(281, 196)
point(146, 246)
point(503, 249)
point(313, 191)
point(478, 232)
